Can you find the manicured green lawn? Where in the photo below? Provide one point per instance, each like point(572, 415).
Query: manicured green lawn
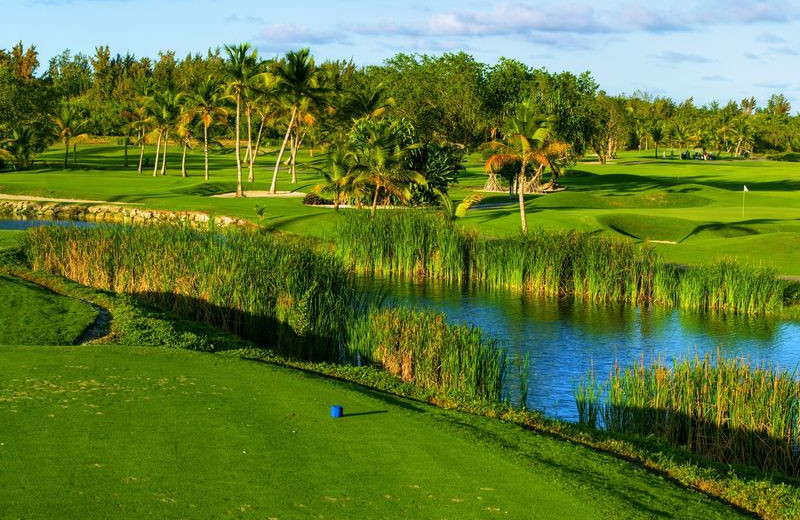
point(122, 432)
point(9, 238)
point(696, 204)
point(32, 315)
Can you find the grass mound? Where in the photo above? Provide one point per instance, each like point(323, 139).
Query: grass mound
point(32, 315)
point(656, 200)
point(786, 156)
point(648, 227)
point(206, 189)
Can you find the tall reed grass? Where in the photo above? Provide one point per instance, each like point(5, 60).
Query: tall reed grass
point(275, 291)
point(262, 288)
point(421, 346)
point(728, 410)
point(418, 243)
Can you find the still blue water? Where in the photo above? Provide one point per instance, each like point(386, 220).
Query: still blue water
point(564, 337)
point(23, 224)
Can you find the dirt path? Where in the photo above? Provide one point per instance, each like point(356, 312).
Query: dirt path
point(254, 194)
point(5, 196)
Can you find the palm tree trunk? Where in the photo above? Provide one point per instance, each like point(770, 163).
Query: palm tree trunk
point(126, 151)
point(205, 149)
point(375, 199)
point(521, 192)
point(295, 146)
point(158, 149)
point(280, 154)
point(164, 158)
point(141, 155)
point(252, 177)
point(238, 157)
point(66, 152)
point(183, 161)
point(74, 153)
point(249, 155)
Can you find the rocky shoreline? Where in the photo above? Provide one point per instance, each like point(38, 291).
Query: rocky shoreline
point(113, 214)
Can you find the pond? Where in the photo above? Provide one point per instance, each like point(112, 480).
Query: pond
point(564, 338)
point(21, 224)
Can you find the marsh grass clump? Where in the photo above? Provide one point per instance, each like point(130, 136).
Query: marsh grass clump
point(405, 243)
point(421, 244)
point(723, 286)
point(729, 410)
point(421, 346)
point(263, 288)
point(276, 291)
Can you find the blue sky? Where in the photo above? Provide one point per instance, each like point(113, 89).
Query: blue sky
point(711, 49)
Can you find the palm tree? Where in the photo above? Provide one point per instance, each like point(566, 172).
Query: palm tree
point(206, 102)
point(742, 134)
point(680, 134)
point(164, 115)
point(69, 124)
point(241, 65)
point(657, 133)
point(524, 143)
point(452, 211)
point(20, 147)
point(338, 177)
point(297, 80)
point(381, 155)
point(370, 101)
point(141, 116)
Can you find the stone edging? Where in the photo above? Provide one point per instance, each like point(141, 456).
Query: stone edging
point(112, 213)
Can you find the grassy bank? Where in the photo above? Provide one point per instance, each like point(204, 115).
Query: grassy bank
point(420, 244)
point(274, 291)
point(28, 313)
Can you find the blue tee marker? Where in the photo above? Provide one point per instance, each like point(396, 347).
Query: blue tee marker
point(337, 411)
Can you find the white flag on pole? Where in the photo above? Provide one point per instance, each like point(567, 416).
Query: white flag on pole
point(745, 188)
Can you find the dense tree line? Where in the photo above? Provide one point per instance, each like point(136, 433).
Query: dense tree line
point(449, 101)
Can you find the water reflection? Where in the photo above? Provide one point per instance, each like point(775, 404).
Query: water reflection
point(20, 223)
point(564, 337)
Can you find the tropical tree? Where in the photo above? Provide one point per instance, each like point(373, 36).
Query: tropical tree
point(20, 147)
point(657, 133)
point(241, 66)
point(165, 113)
point(338, 177)
point(369, 101)
point(679, 133)
point(742, 134)
point(69, 124)
point(297, 82)
point(452, 211)
point(207, 103)
point(523, 144)
point(382, 149)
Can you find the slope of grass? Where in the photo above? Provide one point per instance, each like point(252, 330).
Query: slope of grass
point(9, 238)
point(122, 432)
point(644, 227)
point(32, 315)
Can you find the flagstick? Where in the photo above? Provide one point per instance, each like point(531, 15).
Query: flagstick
point(743, 194)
